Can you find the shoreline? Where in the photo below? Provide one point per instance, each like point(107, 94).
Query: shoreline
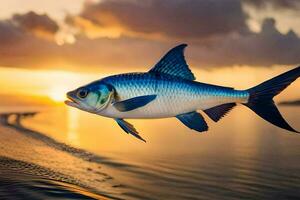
point(16, 123)
point(21, 176)
point(69, 186)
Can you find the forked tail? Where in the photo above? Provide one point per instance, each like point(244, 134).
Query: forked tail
point(261, 98)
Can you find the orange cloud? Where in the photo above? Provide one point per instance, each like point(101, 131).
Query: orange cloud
point(92, 30)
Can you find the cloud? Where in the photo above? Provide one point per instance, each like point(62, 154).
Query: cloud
point(21, 45)
point(40, 25)
point(181, 19)
point(266, 48)
point(277, 4)
point(21, 26)
point(9, 33)
point(22, 48)
point(216, 30)
point(142, 31)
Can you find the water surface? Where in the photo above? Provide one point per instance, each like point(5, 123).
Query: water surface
point(241, 157)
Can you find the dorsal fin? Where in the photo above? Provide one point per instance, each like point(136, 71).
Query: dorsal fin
point(174, 64)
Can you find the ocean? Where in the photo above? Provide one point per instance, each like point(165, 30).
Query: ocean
point(63, 153)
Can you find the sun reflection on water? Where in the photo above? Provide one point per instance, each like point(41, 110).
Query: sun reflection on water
point(73, 120)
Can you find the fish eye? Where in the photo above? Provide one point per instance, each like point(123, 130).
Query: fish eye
point(82, 93)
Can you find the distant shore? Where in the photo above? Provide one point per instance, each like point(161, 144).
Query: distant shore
point(290, 103)
point(15, 116)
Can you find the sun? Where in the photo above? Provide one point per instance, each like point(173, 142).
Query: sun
point(58, 97)
point(58, 94)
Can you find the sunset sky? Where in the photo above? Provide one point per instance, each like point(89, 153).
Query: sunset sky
point(48, 47)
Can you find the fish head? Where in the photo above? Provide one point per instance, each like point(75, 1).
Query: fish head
point(91, 98)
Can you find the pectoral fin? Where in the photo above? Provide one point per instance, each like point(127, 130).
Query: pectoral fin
point(133, 103)
point(129, 128)
point(194, 121)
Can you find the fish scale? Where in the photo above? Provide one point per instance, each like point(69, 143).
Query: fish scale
point(174, 96)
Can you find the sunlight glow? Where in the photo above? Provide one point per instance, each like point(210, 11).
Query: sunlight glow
point(52, 84)
point(73, 121)
point(58, 96)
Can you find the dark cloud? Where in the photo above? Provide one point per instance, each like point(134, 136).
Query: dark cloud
point(41, 25)
point(27, 40)
point(9, 33)
point(31, 21)
point(266, 48)
point(183, 19)
point(215, 30)
point(20, 47)
point(277, 4)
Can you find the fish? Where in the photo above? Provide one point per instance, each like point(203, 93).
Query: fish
point(169, 89)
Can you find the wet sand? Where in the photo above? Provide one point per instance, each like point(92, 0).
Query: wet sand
point(22, 180)
point(35, 166)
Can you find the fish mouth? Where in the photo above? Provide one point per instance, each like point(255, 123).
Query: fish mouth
point(71, 101)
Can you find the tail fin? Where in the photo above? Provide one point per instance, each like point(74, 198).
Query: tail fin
point(261, 98)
